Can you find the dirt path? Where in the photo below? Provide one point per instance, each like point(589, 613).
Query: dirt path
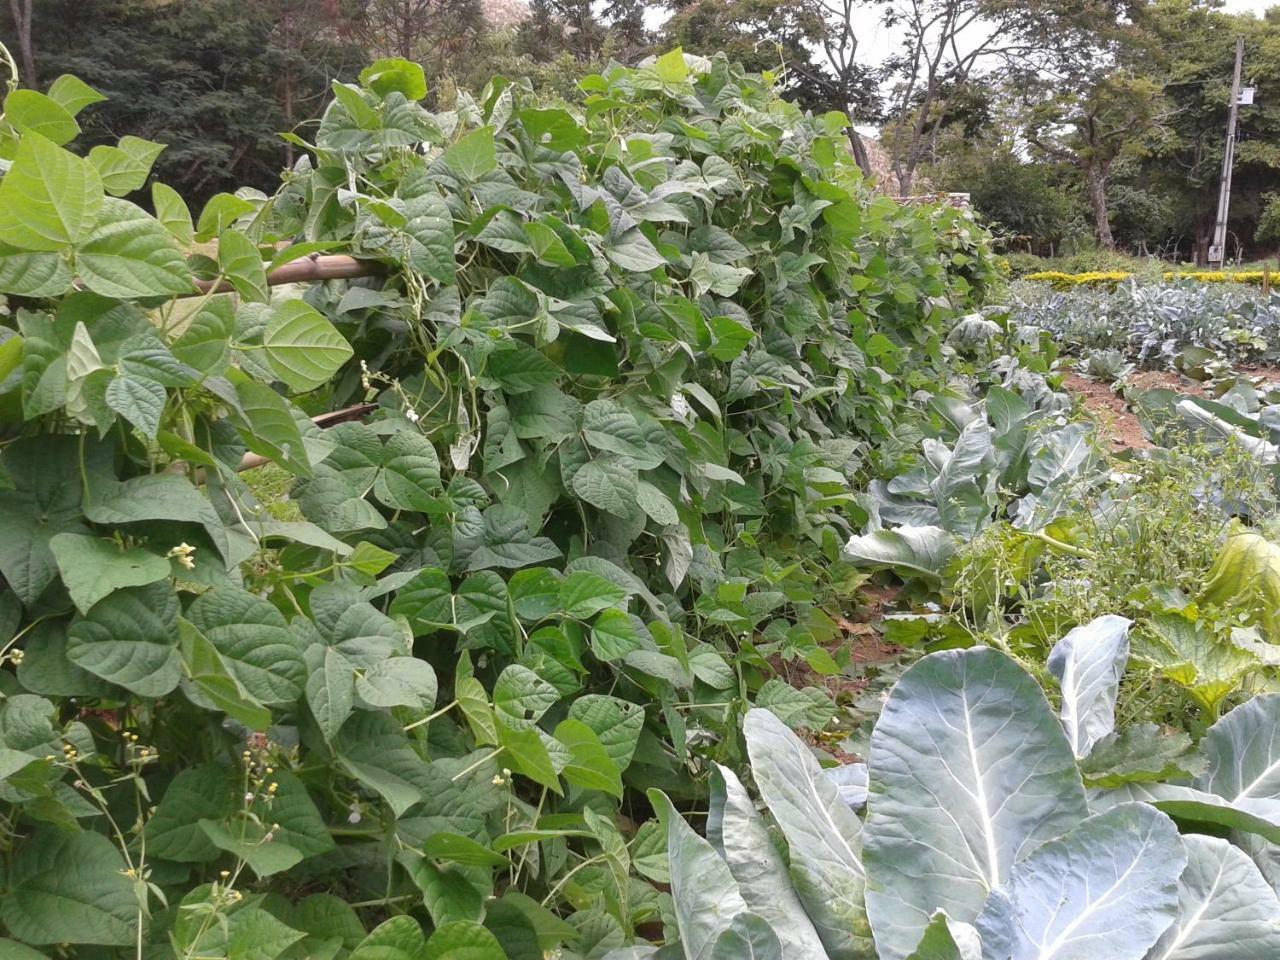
point(1114, 418)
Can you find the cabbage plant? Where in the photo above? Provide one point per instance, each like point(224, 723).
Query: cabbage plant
point(980, 839)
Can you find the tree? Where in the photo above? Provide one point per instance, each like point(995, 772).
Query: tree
point(215, 79)
point(1091, 128)
point(946, 45)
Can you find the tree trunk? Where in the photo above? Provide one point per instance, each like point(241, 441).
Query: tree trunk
point(859, 150)
point(1096, 178)
point(21, 10)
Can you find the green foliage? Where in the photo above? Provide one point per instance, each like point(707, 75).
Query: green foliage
point(624, 363)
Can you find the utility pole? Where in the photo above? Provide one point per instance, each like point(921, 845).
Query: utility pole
point(1218, 249)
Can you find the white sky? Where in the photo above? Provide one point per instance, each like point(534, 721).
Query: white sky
point(875, 41)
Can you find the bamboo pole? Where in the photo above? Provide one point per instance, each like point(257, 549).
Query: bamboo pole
point(309, 269)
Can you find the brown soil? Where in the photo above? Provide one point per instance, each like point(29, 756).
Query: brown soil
point(1114, 419)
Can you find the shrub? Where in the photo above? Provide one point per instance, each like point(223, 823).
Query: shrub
point(620, 364)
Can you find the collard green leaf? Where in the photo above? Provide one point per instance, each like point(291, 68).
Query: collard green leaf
point(972, 727)
point(1108, 884)
point(919, 550)
point(1225, 907)
point(749, 937)
point(1088, 663)
point(705, 895)
point(130, 638)
point(1191, 806)
point(823, 835)
point(1243, 750)
point(742, 840)
point(69, 888)
point(1248, 569)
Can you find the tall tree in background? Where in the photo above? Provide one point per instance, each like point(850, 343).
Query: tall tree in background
point(946, 45)
point(1091, 128)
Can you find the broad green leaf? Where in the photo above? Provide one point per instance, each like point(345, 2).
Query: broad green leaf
point(246, 841)
point(1192, 806)
point(521, 697)
point(220, 211)
point(49, 199)
point(210, 683)
point(268, 427)
point(241, 263)
point(920, 550)
point(69, 888)
point(608, 483)
point(656, 505)
point(1225, 907)
point(130, 638)
point(47, 502)
point(254, 641)
point(450, 892)
point(171, 211)
point(92, 568)
point(584, 594)
point(704, 893)
point(525, 751)
point(399, 938)
point(613, 636)
point(399, 682)
point(1111, 879)
point(128, 254)
point(464, 940)
point(374, 751)
point(1243, 750)
point(590, 765)
point(616, 722)
point(521, 369)
point(741, 838)
point(1088, 663)
point(670, 67)
point(124, 167)
point(455, 848)
point(330, 689)
point(410, 477)
point(395, 74)
point(30, 273)
point(302, 346)
point(155, 497)
point(429, 228)
point(196, 793)
point(952, 811)
point(205, 343)
point(140, 400)
point(32, 112)
point(73, 93)
point(823, 835)
point(472, 156)
point(12, 950)
point(1248, 569)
